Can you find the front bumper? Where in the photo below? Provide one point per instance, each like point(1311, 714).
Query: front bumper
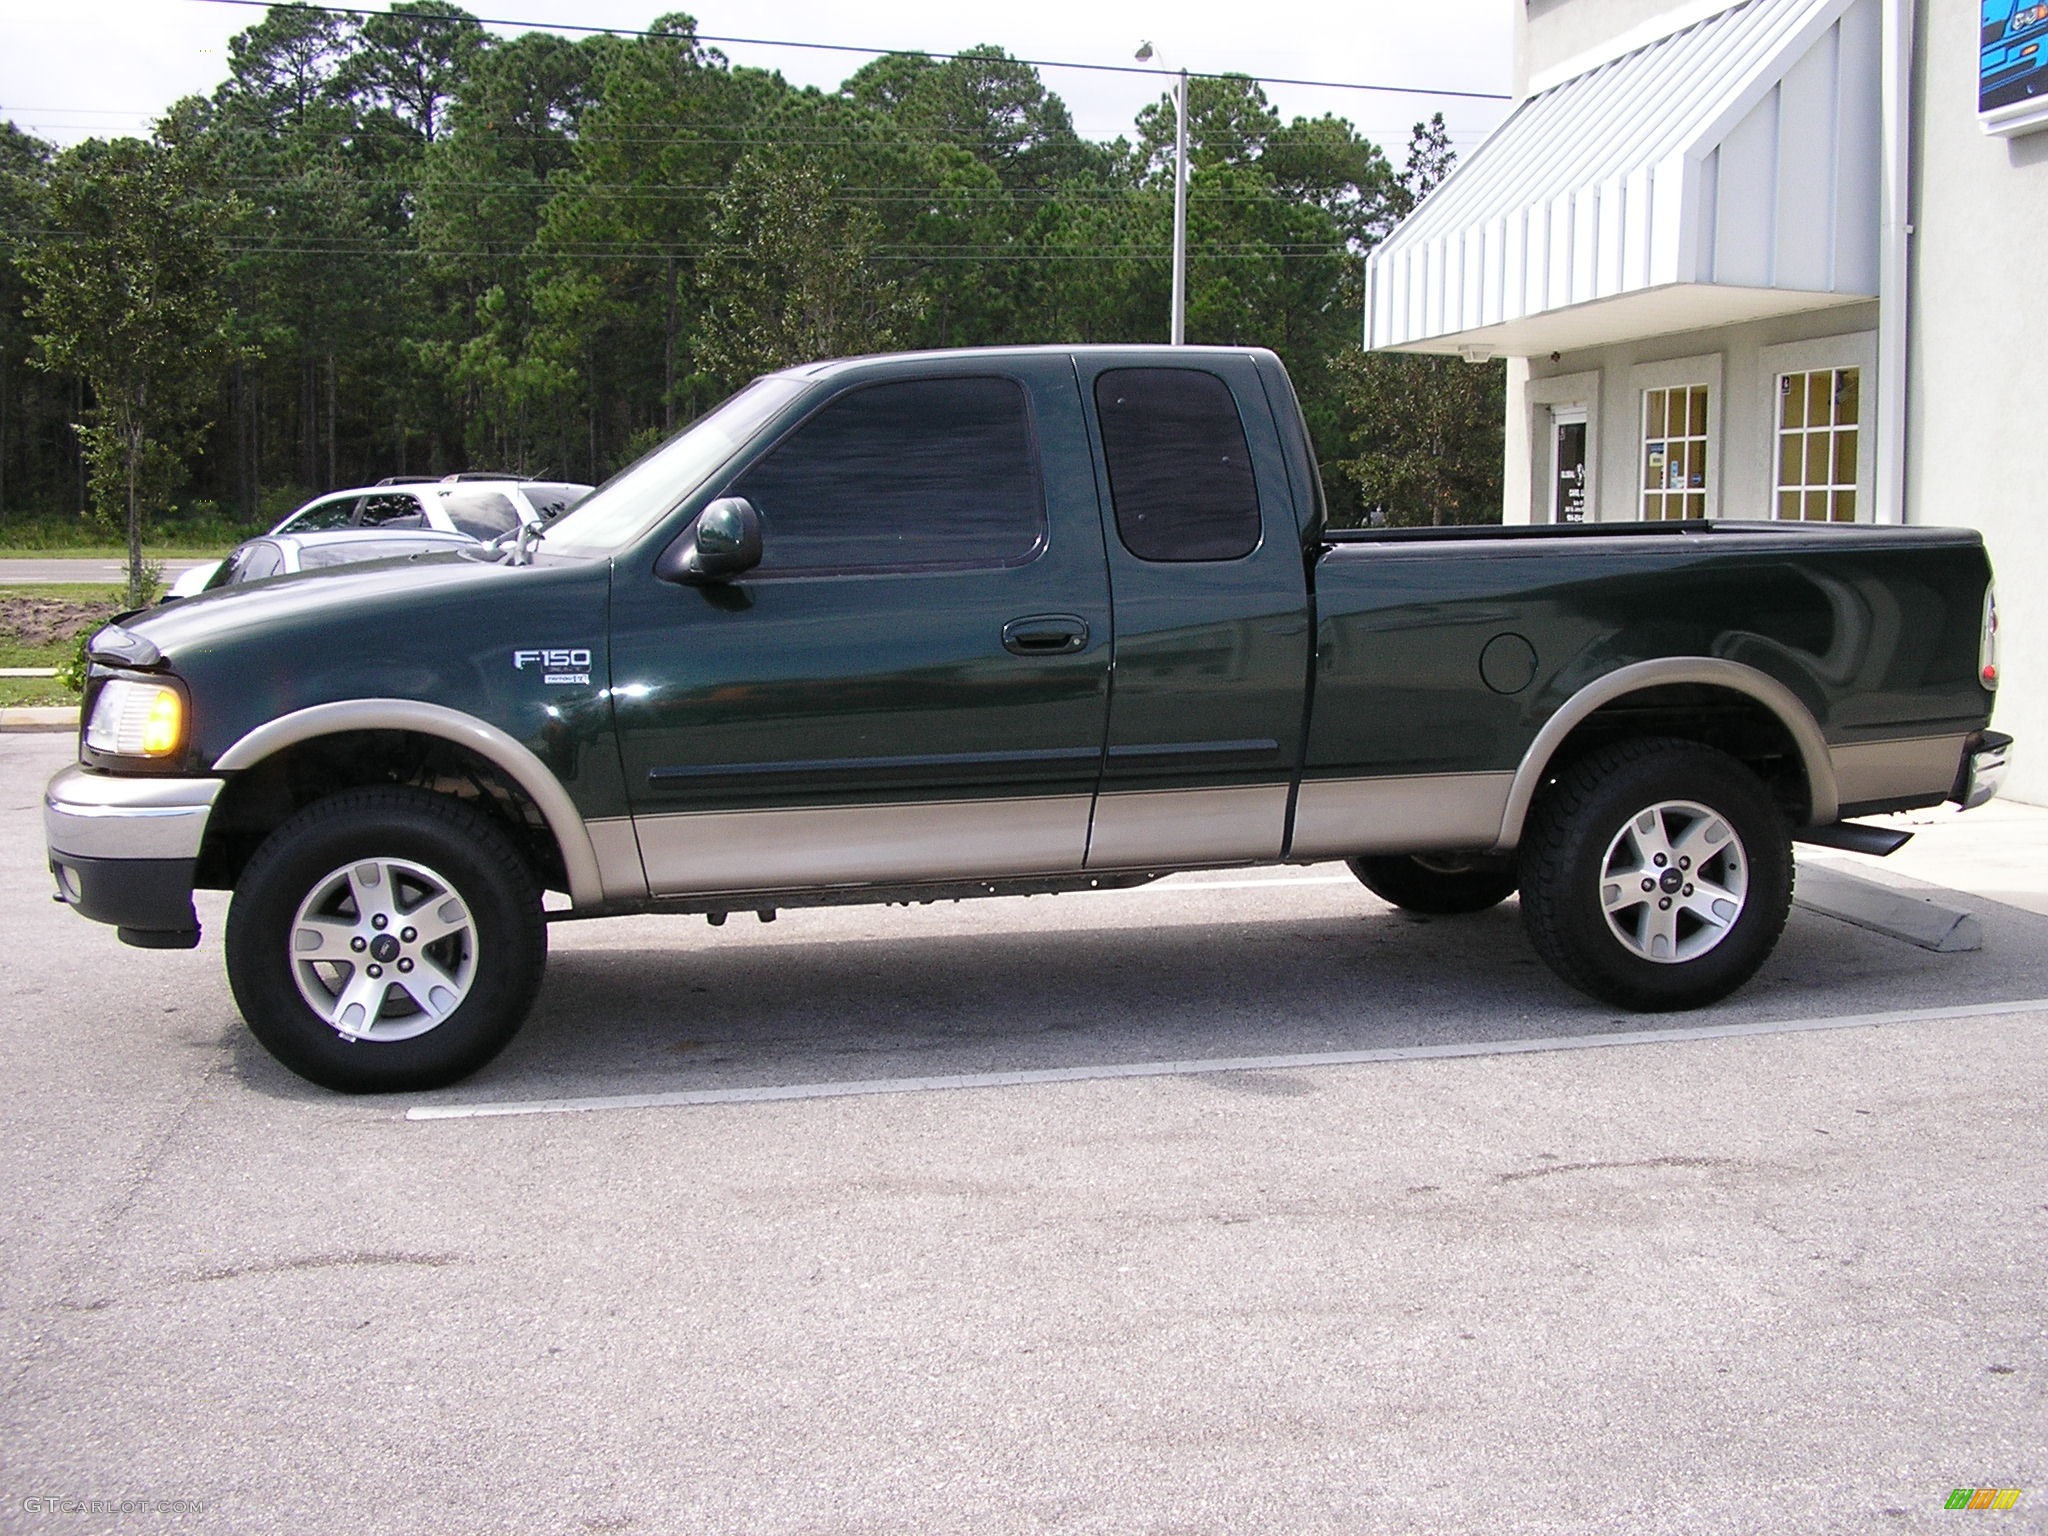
point(123, 851)
point(1983, 769)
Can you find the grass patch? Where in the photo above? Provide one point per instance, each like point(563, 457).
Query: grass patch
point(40, 626)
point(32, 692)
point(112, 552)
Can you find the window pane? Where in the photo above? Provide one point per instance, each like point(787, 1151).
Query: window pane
point(1790, 460)
point(932, 472)
point(480, 514)
point(1698, 404)
point(1791, 401)
point(334, 512)
point(1816, 506)
point(1845, 506)
point(390, 509)
point(1696, 504)
point(1788, 506)
point(1847, 390)
point(1816, 458)
point(1180, 474)
point(1845, 458)
point(1653, 466)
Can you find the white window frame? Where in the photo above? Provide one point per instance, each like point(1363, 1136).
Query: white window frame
point(1856, 350)
point(1545, 397)
point(1679, 371)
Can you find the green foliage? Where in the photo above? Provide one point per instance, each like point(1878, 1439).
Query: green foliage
point(1422, 436)
point(439, 248)
point(126, 298)
point(791, 280)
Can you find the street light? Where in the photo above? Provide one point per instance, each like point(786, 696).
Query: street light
point(1178, 326)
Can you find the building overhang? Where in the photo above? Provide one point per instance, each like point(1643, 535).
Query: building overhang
point(1728, 171)
point(1647, 312)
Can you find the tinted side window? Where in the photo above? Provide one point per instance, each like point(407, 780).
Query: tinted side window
point(480, 514)
point(1180, 475)
point(334, 512)
point(255, 563)
point(930, 473)
point(391, 509)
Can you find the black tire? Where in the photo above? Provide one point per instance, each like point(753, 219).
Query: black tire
point(1441, 885)
point(415, 1009)
point(1628, 814)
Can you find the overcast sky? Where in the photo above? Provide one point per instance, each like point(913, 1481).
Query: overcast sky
point(71, 69)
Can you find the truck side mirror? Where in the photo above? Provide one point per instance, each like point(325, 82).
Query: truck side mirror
point(723, 541)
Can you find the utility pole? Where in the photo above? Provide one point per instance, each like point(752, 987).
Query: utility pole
point(1177, 324)
point(1179, 335)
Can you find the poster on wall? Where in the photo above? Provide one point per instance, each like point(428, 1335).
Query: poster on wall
point(2012, 66)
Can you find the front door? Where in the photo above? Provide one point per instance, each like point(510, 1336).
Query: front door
point(1568, 483)
point(913, 683)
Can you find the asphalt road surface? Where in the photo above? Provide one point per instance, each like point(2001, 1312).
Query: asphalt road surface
point(25, 571)
point(1737, 1277)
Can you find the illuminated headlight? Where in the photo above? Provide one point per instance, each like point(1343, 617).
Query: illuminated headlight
point(133, 718)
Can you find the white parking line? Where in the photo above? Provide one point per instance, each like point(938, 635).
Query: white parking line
point(1021, 1079)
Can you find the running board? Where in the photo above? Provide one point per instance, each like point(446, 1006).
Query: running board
point(1855, 837)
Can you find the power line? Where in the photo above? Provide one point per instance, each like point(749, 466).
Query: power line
point(770, 42)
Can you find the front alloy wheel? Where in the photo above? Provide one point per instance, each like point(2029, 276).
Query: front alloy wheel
point(385, 940)
point(383, 949)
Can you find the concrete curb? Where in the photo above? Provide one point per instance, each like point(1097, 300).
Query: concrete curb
point(32, 718)
point(1887, 910)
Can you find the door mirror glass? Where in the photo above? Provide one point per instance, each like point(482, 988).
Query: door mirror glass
point(724, 541)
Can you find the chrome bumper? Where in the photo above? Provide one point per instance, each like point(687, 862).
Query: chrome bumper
point(124, 851)
point(1983, 769)
point(98, 816)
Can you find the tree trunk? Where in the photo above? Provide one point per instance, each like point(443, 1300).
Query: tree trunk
point(333, 435)
point(136, 596)
point(309, 424)
point(3, 435)
point(670, 321)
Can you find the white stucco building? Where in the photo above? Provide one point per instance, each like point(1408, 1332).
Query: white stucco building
point(1776, 258)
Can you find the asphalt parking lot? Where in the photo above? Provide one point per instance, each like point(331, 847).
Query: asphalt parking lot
point(722, 1245)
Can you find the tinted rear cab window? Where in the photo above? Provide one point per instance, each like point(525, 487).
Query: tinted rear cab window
point(928, 474)
point(1180, 473)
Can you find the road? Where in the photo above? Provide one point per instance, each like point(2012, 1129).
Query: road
point(1783, 1280)
point(28, 571)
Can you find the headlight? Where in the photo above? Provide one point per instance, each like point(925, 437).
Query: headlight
point(135, 718)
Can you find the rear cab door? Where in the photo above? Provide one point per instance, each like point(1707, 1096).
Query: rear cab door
point(1213, 636)
point(913, 684)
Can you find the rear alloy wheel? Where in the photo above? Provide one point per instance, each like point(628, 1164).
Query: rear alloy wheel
point(1656, 875)
point(1439, 884)
point(385, 940)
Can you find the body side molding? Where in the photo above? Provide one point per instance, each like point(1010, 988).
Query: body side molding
point(1782, 702)
point(579, 858)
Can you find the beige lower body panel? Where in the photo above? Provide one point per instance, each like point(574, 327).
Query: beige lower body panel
point(695, 852)
point(1897, 770)
point(1170, 828)
point(618, 859)
point(1427, 812)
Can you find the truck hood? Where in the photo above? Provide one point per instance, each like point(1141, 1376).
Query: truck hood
point(338, 598)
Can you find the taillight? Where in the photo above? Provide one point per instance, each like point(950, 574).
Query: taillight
point(1987, 644)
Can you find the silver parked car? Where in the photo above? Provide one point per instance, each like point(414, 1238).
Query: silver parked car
point(285, 554)
point(484, 507)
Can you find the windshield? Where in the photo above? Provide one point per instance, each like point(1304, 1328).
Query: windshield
point(645, 491)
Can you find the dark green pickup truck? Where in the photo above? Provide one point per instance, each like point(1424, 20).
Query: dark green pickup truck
point(980, 623)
